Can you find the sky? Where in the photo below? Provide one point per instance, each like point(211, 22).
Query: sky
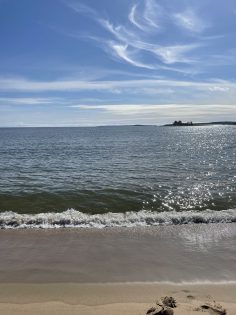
point(119, 62)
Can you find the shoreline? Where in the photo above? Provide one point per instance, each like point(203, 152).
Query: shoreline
point(72, 218)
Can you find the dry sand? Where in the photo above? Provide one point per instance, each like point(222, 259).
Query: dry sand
point(110, 299)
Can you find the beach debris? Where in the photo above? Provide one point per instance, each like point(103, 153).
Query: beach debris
point(151, 310)
point(214, 309)
point(167, 312)
point(155, 310)
point(158, 311)
point(168, 301)
point(163, 307)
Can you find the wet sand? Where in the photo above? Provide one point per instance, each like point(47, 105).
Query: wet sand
point(104, 271)
point(187, 253)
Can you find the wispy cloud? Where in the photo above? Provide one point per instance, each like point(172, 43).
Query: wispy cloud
point(152, 13)
point(123, 53)
point(26, 100)
point(133, 18)
point(130, 108)
point(163, 112)
point(134, 41)
point(217, 91)
point(155, 37)
point(177, 53)
point(135, 48)
point(190, 21)
point(81, 8)
point(146, 16)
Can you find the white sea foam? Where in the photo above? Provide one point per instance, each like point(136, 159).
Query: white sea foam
point(73, 218)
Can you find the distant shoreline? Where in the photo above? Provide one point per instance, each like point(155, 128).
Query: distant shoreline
point(231, 123)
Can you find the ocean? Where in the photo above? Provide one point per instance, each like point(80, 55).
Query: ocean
point(117, 176)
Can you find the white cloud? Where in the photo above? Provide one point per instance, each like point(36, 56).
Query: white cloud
point(122, 52)
point(152, 13)
point(219, 89)
point(127, 109)
point(22, 84)
point(169, 111)
point(139, 42)
point(81, 8)
point(133, 19)
point(177, 53)
point(166, 54)
point(120, 32)
point(26, 100)
point(190, 21)
point(145, 19)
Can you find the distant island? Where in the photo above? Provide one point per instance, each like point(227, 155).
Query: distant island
point(190, 123)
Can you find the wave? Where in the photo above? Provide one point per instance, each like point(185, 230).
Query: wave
point(76, 219)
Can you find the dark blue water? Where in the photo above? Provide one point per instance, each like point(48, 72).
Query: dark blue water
point(118, 169)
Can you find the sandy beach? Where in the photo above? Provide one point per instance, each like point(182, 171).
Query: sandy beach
point(117, 299)
point(117, 271)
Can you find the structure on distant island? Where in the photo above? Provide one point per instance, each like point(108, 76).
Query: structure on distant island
point(190, 123)
point(180, 123)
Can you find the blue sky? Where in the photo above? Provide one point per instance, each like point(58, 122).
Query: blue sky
point(103, 62)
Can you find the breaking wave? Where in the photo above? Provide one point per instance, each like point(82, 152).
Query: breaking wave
point(76, 219)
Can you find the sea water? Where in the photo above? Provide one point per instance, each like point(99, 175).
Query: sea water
point(117, 176)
